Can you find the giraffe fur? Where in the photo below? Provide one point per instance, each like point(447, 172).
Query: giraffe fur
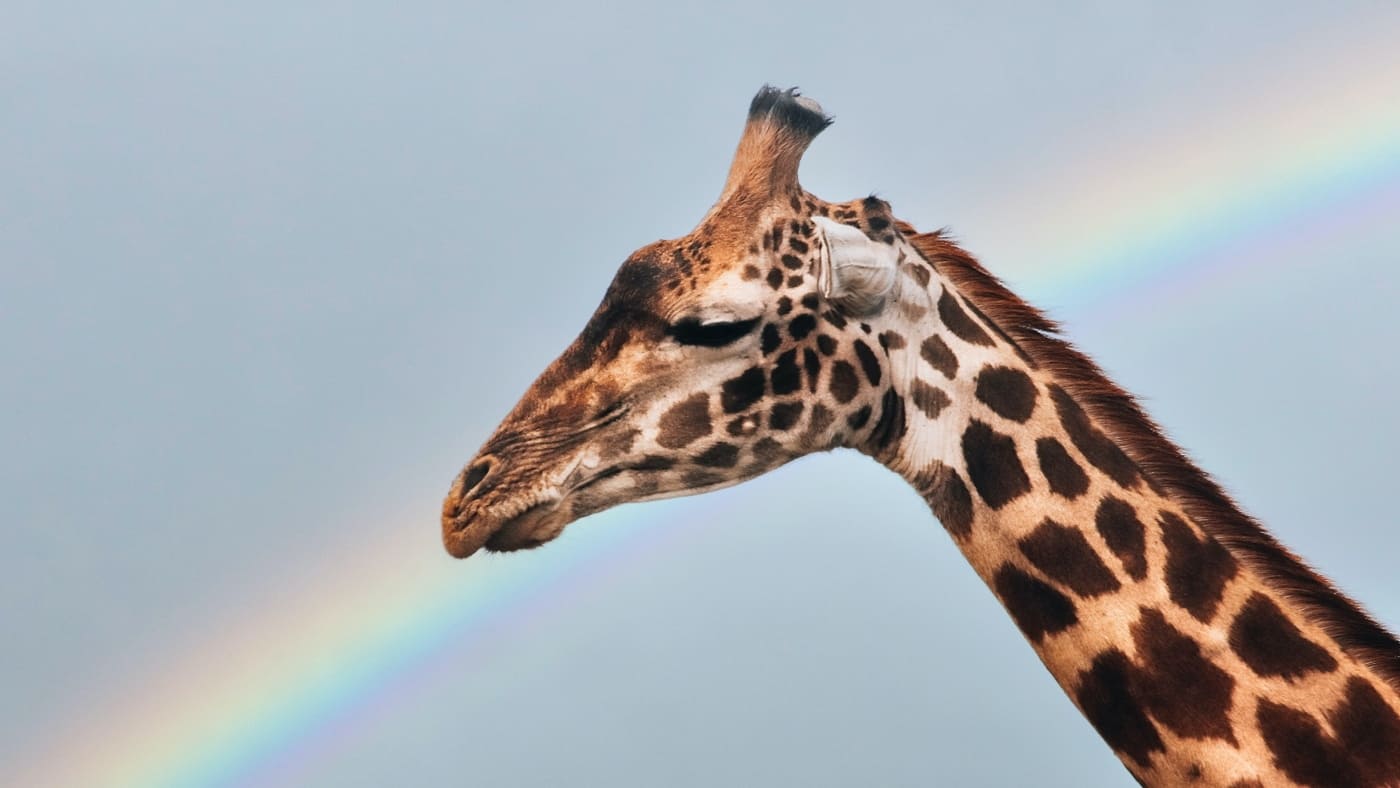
point(1200, 649)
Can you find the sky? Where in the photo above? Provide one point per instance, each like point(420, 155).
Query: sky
point(271, 272)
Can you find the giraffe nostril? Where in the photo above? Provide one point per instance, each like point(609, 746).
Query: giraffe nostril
point(472, 476)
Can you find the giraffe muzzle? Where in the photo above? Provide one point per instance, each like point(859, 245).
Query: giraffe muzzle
point(467, 529)
point(490, 507)
point(530, 481)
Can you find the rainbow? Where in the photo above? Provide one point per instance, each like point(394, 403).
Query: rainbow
point(248, 704)
point(1195, 204)
point(1129, 225)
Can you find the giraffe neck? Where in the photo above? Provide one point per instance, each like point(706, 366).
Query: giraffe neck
point(1187, 659)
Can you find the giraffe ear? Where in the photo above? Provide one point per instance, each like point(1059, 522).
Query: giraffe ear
point(853, 271)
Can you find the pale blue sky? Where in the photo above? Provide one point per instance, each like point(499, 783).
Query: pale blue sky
point(269, 274)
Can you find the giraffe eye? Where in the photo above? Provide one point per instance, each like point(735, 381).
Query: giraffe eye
point(692, 332)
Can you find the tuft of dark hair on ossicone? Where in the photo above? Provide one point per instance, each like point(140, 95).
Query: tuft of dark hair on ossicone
point(790, 110)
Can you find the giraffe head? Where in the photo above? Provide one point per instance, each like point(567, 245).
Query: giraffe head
point(713, 358)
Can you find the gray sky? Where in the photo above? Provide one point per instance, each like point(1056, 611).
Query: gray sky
point(269, 274)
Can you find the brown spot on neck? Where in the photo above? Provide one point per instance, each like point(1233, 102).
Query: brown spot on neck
point(1271, 645)
point(1064, 555)
point(993, 465)
point(947, 496)
point(1118, 524)
point(1197, 568)
point(1036, 607)
point(1183, 690)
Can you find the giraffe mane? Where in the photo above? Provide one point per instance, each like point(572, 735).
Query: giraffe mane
point(1164, 464)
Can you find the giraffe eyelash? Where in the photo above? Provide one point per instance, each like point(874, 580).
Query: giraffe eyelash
point(691, 331)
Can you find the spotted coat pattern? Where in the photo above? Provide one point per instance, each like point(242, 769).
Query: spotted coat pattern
point(721, 355)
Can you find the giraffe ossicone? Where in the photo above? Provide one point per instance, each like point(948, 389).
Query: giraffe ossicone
point(1199, 648)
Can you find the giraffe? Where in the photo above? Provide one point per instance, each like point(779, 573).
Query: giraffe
point(1198, 647)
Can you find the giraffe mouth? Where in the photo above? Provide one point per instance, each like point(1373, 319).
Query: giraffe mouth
point(522, 521)
point(545, 519)
point(539, 523)
point(516, 528)
point(536, 518)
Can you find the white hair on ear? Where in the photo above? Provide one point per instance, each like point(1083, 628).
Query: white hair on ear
point(856, 272)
